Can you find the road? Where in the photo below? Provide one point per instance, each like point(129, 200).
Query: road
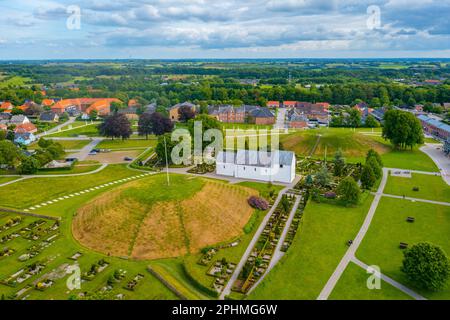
point(83, 153)
point(278, 254)
point(281, 117)
point(227, 290)
point(55, 129)
point(442, 161)
point(350, 254)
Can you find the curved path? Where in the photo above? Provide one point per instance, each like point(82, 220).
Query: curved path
point(350, 254)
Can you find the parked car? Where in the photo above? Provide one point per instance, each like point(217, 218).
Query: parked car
point(128, 159)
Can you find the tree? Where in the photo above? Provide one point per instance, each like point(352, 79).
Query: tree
point(368, 178)
point(376, 155)
point(339, 163)
point(186, 113)
point(371, 122)
point(29, 165)
point(160, 149)
point(9, 154)
point(323, 177)
point(348, 191)
point(373, 164)
point(354, 119)
point(116, 126)
point(402, 128)
point(116, 106)
point(427, 266)
point(145, 125)
point(160, 124)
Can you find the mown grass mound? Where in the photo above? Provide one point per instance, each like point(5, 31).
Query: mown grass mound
point(354, 145)
point(147, 219)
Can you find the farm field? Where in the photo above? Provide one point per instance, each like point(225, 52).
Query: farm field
point(430, 187)
point(146, 219)
point(389, 227)
point(353, 286)
point(315, 252)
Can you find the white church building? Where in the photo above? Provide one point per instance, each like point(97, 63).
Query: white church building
point(277, 166)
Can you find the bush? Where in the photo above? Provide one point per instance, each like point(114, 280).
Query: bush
point(348, 191)
point(29, 165)
point(258, 203)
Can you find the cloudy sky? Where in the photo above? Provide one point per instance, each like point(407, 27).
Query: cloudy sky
point(66, 29)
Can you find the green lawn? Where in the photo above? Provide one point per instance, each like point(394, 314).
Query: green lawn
point(315, 253)
point(74, 170)
point(7, 179)
point(67, 144)
point(430, 187)
point(31, 191)
point(126, 144)
point(90, 131)
point(407, 159)
point(389, 227)
point(353, 286)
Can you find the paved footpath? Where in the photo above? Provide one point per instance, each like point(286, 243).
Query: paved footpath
point(350, 254)
point(226, 291)
point(83, 153)
point(278, 254)
point(416, 199)
point(56, 129)
point(391, 281)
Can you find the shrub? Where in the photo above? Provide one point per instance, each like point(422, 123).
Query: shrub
point(258, 203)
point(416, 189)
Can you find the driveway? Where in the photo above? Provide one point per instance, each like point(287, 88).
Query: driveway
point(441, 160)
point(281, 116)
point(83, 153)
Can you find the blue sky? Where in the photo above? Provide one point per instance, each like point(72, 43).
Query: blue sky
point(37, 29)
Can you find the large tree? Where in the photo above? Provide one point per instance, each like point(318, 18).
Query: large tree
point(116, 126)
point(186, 113)
point(9, 154)
point(348, 191)
point(427, 266)
point(374, 165)
point(323, 177)
point(368, 177)
point(402, 128)
point(160, 124)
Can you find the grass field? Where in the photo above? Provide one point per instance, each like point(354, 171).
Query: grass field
point(389, 227)
point(13, 82)
point(89, 131)
point(73, 144)
point(25, 193)
point(430, 187)
point(7, 179)
point(315, 253)
point(74, 170)
point(353, 144)
point(127, 144)
point(353, 286)
point(147, 219)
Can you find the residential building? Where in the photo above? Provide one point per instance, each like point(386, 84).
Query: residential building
point(47, 102)
point(6, 105)
point(261, 116)
point(49, 116)
point(446, 148)
point(19, 119)
point(289, 104)
point(296, 119)
point(24, 138)
point(26, 127)
point(435, 127)
point(276, 166)
point(3, 127)
point(131, 113)
point(150, 108)
point(273, 104)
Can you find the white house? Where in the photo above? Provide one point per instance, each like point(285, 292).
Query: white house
point(277, 166)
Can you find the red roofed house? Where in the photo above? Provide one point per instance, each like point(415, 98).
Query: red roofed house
point(289, 104)
point(84, 105)
point(3, 127)
point(273, 104)
point(102, 107)
point(6, 106)
point(26, 127)
point(48, 102)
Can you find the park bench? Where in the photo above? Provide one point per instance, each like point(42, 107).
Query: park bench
point(403, 245)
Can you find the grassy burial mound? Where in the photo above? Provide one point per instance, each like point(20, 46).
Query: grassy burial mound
point(147, 219)
point(354, 145)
